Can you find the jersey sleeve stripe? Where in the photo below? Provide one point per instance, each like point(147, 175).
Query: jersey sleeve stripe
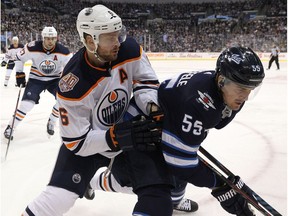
point(83, 96)
point(180, 162)
point(172, 141)
point(36, 72)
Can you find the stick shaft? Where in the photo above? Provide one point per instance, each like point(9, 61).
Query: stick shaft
point(264, 207)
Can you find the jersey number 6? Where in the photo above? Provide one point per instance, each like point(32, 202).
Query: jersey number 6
point(189, 125)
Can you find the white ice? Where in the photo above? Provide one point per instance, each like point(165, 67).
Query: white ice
point(253, 146)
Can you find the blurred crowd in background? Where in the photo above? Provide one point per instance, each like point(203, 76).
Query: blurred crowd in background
point(161, 27)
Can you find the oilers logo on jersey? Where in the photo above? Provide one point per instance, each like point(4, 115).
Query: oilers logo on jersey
point(112, 107)
point(47, 66)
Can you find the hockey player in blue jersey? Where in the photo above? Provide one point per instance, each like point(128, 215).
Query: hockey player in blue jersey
point(193, 103)
point(48, 60)
point(201, 101)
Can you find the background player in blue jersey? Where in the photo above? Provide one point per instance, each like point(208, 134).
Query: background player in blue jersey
point(10, 57)
point(93, 95)
point(193, 103)
point(48, 60)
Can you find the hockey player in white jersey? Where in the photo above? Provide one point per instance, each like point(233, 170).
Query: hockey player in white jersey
point(10, 57)
point(94, 93)
point(48, 60)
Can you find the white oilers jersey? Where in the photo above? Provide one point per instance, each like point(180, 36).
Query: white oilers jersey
point(92, 99)
point(46, 65)
point(12, 51)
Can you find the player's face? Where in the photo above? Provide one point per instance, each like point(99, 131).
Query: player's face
point(49, 42)
point(108, 46)
point(15, 43)
point(235, 95)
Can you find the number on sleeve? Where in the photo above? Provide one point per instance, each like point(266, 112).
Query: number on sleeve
point(64, 116)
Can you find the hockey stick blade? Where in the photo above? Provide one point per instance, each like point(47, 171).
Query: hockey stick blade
point(260, 204)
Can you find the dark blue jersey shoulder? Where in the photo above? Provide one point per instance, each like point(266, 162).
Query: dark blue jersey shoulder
point(129, 49)
point(37, 46)
point(85, 74)
point(12, 47)
point(61, 49)
point(194, 94)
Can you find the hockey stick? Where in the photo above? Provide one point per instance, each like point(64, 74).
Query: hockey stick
point(260, 204)
point(13, 121)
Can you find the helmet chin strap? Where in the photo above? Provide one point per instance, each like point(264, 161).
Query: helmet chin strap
point(99, 58)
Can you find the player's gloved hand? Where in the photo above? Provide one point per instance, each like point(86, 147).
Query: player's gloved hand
point(138, 133)
point(233, 202)
point(20, 79)
point(3, 63)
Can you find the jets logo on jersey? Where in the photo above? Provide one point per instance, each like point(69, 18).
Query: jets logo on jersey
point(206, 100)
point(68, 82)
point(47, 66)
point(112, 107)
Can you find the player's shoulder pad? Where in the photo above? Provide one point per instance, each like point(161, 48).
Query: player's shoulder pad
point(12, 47)
point(129, 49)
point(71, 76)
point(61, 49)
point(35, 46)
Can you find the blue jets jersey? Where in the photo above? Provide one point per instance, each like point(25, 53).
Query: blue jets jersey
point(91, 99)
point(197, 106)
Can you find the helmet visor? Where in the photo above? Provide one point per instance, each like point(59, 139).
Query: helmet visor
point(110, 39)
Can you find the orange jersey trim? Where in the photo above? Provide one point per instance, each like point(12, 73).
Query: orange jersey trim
point(87, 93)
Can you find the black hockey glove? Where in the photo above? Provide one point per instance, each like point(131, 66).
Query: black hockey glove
point(3, 64)
point(20, 79)
point(138, 133)
point(233, 202)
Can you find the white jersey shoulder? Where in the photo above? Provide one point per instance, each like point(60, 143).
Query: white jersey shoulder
point(46, 65)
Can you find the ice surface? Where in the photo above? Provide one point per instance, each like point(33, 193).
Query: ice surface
point(253, 146)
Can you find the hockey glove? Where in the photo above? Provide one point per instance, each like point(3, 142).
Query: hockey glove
point(20, 79)
point(3, 64)
point(138, 133)
point(233, 202)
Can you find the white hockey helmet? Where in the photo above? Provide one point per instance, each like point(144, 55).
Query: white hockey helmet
point(98, 20)
point(49, 31)
point(15, 38)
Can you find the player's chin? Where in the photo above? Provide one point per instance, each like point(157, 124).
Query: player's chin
point(114, 56)
point(235, 106)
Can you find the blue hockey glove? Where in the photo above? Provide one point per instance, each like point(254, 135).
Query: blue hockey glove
point(138, 133)
point(233, 202)
point(20, 79)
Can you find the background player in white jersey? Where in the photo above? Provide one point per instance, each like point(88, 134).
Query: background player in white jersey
point(10, 57)
point(192, 104)
point(94, 93)
point(274, 56)
point(48, 60)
